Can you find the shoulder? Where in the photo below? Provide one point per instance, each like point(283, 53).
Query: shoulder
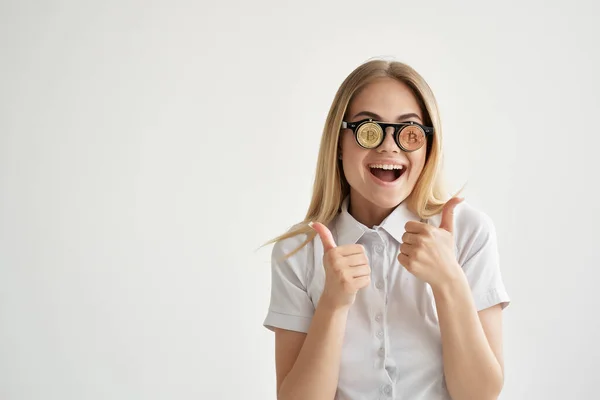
point(473, 229)
point(468, 221)
point(284, 247)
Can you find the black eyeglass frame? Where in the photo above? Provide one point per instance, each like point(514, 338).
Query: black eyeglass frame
point(353, 126)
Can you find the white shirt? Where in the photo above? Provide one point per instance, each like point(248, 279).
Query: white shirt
point(392, 345)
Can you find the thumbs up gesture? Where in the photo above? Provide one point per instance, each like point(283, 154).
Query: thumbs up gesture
point(346, 270)
point(428, 252)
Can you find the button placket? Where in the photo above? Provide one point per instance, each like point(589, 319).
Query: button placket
point(374, 243)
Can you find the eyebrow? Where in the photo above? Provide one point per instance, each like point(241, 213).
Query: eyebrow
point(402, 117)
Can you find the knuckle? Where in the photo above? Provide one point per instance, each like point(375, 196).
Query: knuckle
point(346, 276)
point(335, 262)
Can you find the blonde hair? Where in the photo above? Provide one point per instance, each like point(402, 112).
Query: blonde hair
point(331, 187)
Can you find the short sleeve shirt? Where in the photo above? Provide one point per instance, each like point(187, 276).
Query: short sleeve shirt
point(392, 344)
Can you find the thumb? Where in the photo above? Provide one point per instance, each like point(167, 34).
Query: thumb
point(324, 234)
point(448, 213)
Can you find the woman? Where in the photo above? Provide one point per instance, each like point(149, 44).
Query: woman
point(387, 289)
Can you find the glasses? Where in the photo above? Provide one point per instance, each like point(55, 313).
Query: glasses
point(409, 136)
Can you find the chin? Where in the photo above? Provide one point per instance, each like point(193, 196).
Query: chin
point(380, 197)
point(389, 201)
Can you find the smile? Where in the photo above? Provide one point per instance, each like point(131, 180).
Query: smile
point(386, 174)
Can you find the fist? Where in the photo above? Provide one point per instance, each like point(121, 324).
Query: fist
point(428, 252)
point(347, 270)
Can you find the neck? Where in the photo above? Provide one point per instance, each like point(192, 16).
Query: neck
point(366, 212)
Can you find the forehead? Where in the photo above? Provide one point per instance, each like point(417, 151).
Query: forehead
point(385, 96)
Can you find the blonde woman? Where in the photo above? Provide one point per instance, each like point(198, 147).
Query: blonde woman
point(388, 289)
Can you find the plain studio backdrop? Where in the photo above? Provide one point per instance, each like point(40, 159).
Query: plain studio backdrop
point(147, 149)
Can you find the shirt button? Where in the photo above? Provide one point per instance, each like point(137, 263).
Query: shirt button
point(378, 317)
point(379, 285)
point(381, 352)
point(380, 334)
point(387, 389)
point(378, 248)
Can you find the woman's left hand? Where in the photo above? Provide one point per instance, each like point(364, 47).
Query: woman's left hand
point(428, 252)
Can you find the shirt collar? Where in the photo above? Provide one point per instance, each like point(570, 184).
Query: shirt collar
point(349, 230)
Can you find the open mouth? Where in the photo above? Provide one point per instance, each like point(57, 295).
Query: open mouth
point(387, 173)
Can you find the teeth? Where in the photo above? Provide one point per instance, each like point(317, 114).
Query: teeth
point(385, 166)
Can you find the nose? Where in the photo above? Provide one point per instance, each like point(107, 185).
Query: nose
point(389, 144)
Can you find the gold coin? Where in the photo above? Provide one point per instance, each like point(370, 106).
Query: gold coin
point(369, 135)
point(412, 137)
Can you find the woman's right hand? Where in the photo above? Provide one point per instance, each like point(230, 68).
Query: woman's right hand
point(346, 270)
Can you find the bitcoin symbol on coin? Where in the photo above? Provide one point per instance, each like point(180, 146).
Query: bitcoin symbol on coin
point(369, 135)
point(412, 138)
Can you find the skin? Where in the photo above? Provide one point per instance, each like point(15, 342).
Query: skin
point(308, 364)
point(389, 99)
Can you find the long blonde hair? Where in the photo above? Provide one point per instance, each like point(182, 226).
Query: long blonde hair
point(331, 187)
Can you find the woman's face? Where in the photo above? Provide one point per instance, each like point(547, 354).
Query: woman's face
point(386, 100)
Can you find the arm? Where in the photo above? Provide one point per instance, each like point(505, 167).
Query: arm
point(314, 373)
point(471, 343)
point(308, 364)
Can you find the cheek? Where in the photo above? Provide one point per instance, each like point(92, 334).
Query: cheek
point(350, 150)
point(352, 156)
point(347, 143)
point(417, 162)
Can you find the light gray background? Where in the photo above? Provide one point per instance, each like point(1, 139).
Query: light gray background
point(148, 148)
